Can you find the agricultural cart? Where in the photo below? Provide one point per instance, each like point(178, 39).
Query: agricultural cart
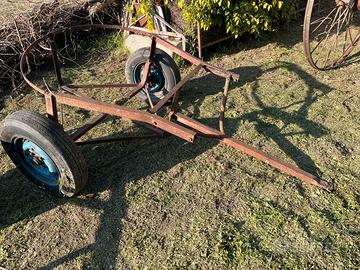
point(50, 157)
point(331, 31)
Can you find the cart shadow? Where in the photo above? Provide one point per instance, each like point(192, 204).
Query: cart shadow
point(21, 200)
point(315, 89)
point(112, 167)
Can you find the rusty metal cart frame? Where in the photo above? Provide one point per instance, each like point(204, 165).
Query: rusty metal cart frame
point(173, 123)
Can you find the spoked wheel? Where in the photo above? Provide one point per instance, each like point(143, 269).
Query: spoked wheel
point(331, 31)
point(44, 153)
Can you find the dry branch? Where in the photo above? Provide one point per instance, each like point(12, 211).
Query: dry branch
point(16, 35)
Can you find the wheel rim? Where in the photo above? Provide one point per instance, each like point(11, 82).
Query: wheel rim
point(37, 162)
point(156, 81)
point(331, 31)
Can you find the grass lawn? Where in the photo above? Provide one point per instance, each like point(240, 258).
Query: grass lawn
point(169, 204)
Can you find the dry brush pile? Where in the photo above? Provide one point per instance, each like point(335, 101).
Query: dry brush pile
point(19, 32)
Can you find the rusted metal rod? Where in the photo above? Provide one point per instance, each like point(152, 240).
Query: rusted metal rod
point(127, 114)
point(175, 89)
point(51, 107)
point(196, 125)
point(88, 126)
point(197, 61)
point(118, 139)
point(146, 89)
point(141, 85)
point(251, 151)
point(277, 163)
point(105, 85)
point(72, 91)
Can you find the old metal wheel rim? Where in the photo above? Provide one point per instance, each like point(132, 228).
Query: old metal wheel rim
point(156, 80)
point(330, 50)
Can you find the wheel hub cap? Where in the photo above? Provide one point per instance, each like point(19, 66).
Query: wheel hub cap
point(39, 162)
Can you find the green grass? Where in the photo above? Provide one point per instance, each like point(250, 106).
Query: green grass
point(168, 204)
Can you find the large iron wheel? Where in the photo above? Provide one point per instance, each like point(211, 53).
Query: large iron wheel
point(331, 31)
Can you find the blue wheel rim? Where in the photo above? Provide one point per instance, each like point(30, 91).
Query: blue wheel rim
point(156, 81)
point(38, 163)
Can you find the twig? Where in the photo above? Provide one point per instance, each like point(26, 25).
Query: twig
point(22, 45)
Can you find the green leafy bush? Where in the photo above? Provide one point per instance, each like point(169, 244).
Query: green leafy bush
point(239, 16)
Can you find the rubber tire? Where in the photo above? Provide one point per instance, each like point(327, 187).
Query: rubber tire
point(162, 61)
point(54, 142)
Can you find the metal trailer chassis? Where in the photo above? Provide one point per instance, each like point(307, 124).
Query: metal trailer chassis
point(174, 122)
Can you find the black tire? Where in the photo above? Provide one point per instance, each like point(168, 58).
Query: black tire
point(44, 153)
point(165, 73)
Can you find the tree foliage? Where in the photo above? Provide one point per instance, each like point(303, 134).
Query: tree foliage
point(240, 16)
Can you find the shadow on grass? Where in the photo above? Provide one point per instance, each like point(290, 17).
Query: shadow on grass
point(113, 166)
point(21, 200)
point(249, 42)
point(352, 59)
point(298, 118)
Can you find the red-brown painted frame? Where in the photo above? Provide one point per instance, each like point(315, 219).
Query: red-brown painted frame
point(173, 123)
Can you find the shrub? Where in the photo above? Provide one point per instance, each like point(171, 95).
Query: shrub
point(240, 16)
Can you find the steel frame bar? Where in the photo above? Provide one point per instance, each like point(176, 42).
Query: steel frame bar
point(205, 131)
point(51, 107)
point(202, 130)
point(175, 89)
point(105, 85)
point(276, 163)
point(118, 139)
point(71, 91)
point(196, 61)
point(173, 123)
point(88, 126)
point(127, 114)
point(98, 119)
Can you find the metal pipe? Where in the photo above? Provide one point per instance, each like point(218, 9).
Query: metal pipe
point(88, 126)
point(105, 85)
point(175, 89)
point(127, 114)
point(251, 151)
point(127, 138)
point(51, 107)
